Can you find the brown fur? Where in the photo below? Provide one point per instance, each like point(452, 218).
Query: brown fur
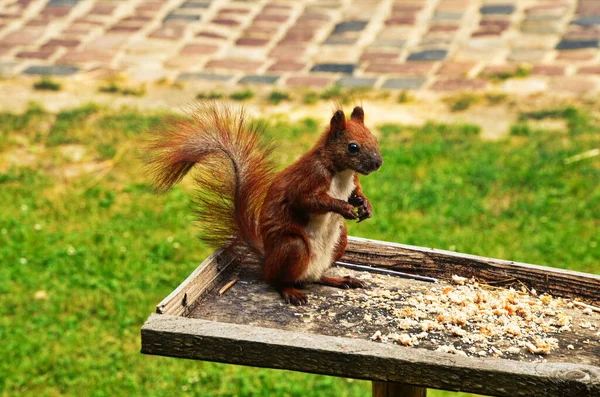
point(242, 202)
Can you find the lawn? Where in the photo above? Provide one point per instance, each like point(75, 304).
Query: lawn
point(87, 249)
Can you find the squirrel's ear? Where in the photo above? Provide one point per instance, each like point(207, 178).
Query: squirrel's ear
point(358, 114)
point(337, 124)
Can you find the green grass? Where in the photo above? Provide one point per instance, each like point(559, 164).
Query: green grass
point(210, 95)
point(106, 250)
point(244, 95)
point(310, 98)
point(460, 102)
point(45, 83)
point(276, 97)
point(520, 72)
point(114, 86)
point(405, 97)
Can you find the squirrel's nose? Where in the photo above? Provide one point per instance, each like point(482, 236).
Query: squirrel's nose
point(378, 161)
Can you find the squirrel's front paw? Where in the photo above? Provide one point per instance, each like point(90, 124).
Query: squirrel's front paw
point(356, 200)
point(348, 212)
point(365, 211)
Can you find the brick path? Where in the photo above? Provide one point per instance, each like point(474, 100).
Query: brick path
point(439, 45)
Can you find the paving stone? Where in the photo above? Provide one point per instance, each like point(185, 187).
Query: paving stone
point(504, 9)
point(582, 33)
point(543, 18)
point(313, 17)
point(260, 30)
point(55, 70)
point(308, 81)
point(250, 42)
point(409, 68)
point(83, 57)
point(152, 6)
point(259, 79)
point(346, 68)
point(583, 55)
point(60, 3)
point(589, 20)
point(429, 55)
point(524, 86)
point(7, 68)
point(459, 84)
point(103, 9)
point(589, 70)
point(401, 21)
point(53, 43)
point(575, 85)
point(204, 76)
point(456, 69)
point(55, 12)
point(576, 44)
point(277, 7)
point(195, 4)
point(241, 11)
point(297, 36)
point(123, 29)
point(286, 66)
point(350, 26)
point(352, 82)
point(108, 42)
point(406, 83)
point(234, 64)
point(537, 27)
point(548, 70)
point(546, 10)
point(21, 37)
point(443, 28)
point(226, 22)
point(389, 43)
point(436, 40)
point(526, 55)
point(288, 51)
point(210, 35)
point(336, 40)
point(447, 16)
point(199, 49)
point(271, 18)
point(377, 56)
point(168, 32)
point(181, 17)
point(497, 70)
point(42, 54)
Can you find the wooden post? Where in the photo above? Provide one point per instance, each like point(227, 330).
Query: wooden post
point(393, 389)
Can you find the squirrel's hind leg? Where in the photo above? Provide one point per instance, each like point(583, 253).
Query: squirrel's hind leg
point(341, 282)
point(286, 261)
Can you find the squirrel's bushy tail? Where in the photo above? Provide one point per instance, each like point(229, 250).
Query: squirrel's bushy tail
point(233, 171)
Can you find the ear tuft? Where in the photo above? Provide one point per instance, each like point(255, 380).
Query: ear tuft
point(358, 115)
point(337, 124)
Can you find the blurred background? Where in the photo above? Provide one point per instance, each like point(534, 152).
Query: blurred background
point(487, 112)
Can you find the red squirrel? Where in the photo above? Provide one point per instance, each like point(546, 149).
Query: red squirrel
point(290, 221)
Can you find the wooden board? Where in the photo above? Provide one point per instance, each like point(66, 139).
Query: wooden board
point(249, 325)
point(443, 264)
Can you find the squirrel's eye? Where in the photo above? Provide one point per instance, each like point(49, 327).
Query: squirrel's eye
point(353, 148)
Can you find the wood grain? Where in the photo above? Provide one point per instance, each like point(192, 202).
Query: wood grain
point(443, 264)
point(393, 389)
point(183, 298)
point(198, 339)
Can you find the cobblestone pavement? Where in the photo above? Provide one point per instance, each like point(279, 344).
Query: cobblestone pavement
point(523, 46)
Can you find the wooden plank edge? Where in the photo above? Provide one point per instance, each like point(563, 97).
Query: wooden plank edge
point(458, 255)
point(198, 339)
point(427, 260)
point(195, 285)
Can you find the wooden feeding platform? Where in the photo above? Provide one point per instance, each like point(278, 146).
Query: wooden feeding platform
point(487, 326)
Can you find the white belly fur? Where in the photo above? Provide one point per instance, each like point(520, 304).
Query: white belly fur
point(324, 231)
